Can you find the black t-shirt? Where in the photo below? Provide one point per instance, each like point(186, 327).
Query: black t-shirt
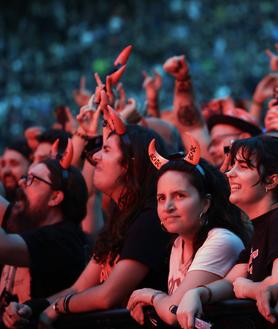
point(58, 254)
point(147, 243)
point(263, 249)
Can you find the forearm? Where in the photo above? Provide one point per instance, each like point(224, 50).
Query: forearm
point(95, 298)
point(153, 107)
point(256, 109)
point(220, 290)
point(79, 144)
point(185, 110)
point(162, 304)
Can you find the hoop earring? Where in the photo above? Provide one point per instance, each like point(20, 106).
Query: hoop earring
point(163, 227)
point(203, 218)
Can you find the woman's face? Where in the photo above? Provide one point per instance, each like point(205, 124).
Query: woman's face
point(109, 171)
point(178, 204)
point(245, 192)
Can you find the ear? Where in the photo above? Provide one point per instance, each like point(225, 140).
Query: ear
point(56, 198)
point(272, 182)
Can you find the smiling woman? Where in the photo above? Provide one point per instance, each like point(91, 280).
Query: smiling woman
point(253, 177)
point(210, 231)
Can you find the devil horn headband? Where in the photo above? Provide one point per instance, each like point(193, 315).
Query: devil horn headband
point(66, 158)
point(115, 121)
point(192, 156)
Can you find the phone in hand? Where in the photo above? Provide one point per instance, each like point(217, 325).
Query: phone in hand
point(199, 323)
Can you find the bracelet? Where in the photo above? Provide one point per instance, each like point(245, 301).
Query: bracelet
point(66, 303)
point(156, 293)
point(83, 136)
point(208, 290)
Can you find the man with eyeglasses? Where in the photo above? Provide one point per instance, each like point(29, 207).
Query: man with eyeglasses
point(51, 250)
point(227, 125)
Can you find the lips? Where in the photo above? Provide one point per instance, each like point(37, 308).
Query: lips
point(235, 187)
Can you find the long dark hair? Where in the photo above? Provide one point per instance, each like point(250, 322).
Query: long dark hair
point(221, 212)
point(265, 151)
point(140, 188)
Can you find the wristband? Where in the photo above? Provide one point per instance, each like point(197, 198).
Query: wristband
point(66, 303)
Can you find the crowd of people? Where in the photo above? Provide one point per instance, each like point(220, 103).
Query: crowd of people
point(174, 209)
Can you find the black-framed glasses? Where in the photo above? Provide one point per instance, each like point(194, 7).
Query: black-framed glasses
point(28, 180)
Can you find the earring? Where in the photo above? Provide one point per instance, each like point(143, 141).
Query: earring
point(163, 227)
point(203, 218)
point(266, 189)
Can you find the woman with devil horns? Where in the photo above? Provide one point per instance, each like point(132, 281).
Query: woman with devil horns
point(131, 250)
point(193, 203)
point(253, 177)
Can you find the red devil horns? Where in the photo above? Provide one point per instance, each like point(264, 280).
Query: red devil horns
point(115, 121)
point(193, 150)
point(157, 160)
point(192, 156)
point(66, 159)
point(116, 76)
point(123, 56)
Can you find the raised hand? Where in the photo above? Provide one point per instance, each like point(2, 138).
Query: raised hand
point(152, 84)
point(130, 113)
point(265, 87)
point(273, 59)
point(120, 102)
point(177, 67)
point(81, 95)
point(271, 118)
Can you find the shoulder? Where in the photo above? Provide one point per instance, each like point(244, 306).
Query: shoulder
point(221, 240)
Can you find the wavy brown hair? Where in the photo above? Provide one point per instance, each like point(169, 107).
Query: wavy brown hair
point(140, 187)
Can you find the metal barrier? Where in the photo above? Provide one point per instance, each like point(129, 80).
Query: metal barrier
point(229, 314)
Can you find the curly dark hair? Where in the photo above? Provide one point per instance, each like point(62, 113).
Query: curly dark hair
point(140, 183)
point(264, 149)
point(221, 212)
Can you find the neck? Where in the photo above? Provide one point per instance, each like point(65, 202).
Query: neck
point(54, 216)
point(262, 207)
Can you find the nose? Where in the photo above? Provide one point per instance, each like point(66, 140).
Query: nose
point(231, 172)
point(97, 156)
point(169, 205)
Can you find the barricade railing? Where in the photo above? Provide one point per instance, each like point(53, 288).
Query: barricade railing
point(229, 314)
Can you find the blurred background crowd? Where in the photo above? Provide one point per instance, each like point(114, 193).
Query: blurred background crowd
point(46, 46)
